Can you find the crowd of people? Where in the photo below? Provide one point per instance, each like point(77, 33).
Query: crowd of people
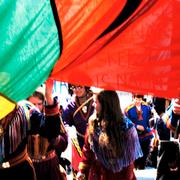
point(110, 143)
point(31, 134)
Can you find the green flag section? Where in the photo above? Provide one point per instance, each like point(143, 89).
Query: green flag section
point(29, 46)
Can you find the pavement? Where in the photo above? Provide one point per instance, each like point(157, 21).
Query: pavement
point(146, 174)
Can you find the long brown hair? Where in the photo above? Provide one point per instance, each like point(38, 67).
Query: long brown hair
point(111, 113)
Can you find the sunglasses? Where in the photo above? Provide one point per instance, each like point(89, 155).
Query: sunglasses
point(76, 87)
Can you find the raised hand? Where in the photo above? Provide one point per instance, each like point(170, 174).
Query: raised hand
point(48, 91)
point(176, 108)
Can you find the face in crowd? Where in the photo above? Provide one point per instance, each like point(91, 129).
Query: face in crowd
point(79, 91)
point(138, 99)
point(38, 100)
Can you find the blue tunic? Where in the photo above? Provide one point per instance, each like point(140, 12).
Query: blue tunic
point(142, 119)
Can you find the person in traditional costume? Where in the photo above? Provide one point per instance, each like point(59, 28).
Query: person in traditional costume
point(159, 106)
point(16, 128)
point(14, 160)
point(139, 112)
point(47, 135)
point(77, 114)
point(169, 150)
point(111, 142)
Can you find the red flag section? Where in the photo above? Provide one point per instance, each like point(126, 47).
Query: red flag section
point(113, 46)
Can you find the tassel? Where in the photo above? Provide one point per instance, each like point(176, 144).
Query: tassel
point(17, 132)
point(11, 139)
point(36, 145)
point(2, 155)
point(10, 135)
point(29, 146)
point(44, 144)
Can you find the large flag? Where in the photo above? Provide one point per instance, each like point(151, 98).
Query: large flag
point(124, 45)
point(127, 45)
point(29, 48)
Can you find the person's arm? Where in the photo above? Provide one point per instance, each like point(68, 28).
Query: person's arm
point(176, 107)
point(87, 159)
point(67, 115)
point(48, 91)
point(60, 143)
point(172, 115)
point(52, 116)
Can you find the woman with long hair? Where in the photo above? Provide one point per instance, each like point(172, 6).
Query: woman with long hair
point(111, 142)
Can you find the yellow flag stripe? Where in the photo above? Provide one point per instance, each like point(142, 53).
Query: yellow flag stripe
point(6, 106)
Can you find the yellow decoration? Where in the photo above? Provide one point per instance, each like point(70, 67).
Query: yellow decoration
point(6, 106)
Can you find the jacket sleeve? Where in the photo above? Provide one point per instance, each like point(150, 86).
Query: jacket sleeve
point(170, 118)
point(87, 157)
point(67, 115)
point(60, 143)
point(52, 120)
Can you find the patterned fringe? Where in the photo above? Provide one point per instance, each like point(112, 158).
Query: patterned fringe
point(130, 151)
point(2, 149)
point(17, 129)
point(37, 146)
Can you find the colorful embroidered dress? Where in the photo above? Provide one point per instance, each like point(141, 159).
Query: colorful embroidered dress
point(19, 126)
point(102, 163)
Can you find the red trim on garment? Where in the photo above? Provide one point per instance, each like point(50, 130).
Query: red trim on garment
point(50, 111)
point(146, 135)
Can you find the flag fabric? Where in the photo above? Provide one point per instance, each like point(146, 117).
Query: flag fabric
point(130, 46)
point(122, 45)
point(6, 106)
point(29, 46)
